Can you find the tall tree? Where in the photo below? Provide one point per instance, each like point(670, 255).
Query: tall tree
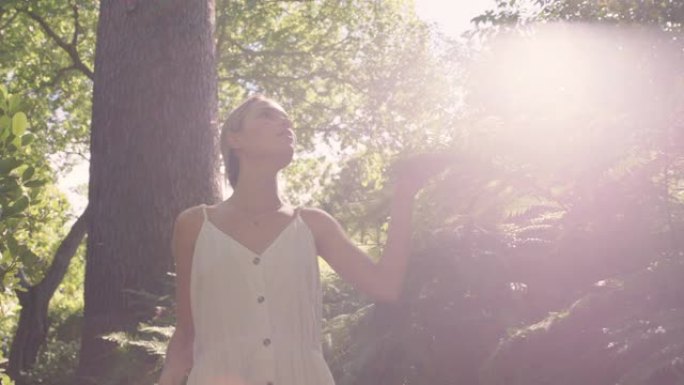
point(153, 153)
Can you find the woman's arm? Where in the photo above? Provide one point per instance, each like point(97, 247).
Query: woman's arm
point(383, 280)
point(179, 351)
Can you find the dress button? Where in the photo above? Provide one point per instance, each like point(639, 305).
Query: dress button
point(256, 260)
point(267, 341)
point(261, 299)
point(269, 383)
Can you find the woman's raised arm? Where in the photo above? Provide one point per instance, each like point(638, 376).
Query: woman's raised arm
point(381, 281)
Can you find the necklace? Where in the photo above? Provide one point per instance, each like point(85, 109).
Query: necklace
point(255, 220)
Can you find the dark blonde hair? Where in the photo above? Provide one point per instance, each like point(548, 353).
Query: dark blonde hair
point(234, 123)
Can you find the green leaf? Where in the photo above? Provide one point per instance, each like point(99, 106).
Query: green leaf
point(12, 245)
point(19, 123)
point(27, 139)
point(15, 144)
point(5, 127)
point(28, 256)
point(20, 205)
point(14, 104)
point(28, 173)
point(4, 379)
point(7, 165)
point(35, 183)
point(33, 193)
point(10, 188)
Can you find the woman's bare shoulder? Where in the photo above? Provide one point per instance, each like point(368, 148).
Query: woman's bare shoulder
point(312, 213)
point(318, 219)
point(189, 221)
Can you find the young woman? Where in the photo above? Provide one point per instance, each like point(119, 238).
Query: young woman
point(247, 281)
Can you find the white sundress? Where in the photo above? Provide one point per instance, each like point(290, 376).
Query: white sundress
point(257, 317)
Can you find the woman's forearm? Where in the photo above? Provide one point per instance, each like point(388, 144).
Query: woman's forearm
point(178, 359)
point(392, 265)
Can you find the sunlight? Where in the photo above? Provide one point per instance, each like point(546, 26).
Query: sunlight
point(566, 93)
point(452, 17)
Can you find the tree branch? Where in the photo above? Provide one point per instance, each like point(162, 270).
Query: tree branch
point(78, 153)
point(70, 49)
point(33, 322)
point(313, 50)
point(323, 74)
point(77, 26)
point(58, 76)
point(65, 251)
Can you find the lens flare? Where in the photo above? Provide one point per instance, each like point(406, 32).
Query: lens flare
point(572, 93)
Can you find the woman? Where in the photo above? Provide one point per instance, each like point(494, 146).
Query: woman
point(247, 285)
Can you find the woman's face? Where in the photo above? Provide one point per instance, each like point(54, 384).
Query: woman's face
point(266, 132)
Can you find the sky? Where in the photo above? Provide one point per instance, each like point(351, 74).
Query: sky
point(452, 17)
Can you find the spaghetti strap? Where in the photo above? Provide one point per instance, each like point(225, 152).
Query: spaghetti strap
point(204, 211)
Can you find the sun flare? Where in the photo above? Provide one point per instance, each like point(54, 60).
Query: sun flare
point(568, 93)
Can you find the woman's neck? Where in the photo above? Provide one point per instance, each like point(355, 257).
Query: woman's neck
point(256, 192)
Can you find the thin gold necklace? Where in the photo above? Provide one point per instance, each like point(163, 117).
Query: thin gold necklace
point(255, 219)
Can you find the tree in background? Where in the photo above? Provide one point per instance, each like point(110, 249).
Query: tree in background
point(21, 186)
point(153, 152)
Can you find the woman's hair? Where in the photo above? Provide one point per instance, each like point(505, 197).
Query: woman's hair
point(234, 123)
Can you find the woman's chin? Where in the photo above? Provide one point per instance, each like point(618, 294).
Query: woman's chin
point(284, 158)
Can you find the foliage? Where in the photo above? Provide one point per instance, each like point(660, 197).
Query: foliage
point(33, 215)
point(57, 96)
point(498, 250)
point(137, 351)
point(140, 354)
point(626, 331)
point(54, 42)
point(20, 186)
point(58, 358)
point(664, 14)
point(18, 183)
point(57, 363)
point(598, 252)
point(520, 231)
point(343, 310)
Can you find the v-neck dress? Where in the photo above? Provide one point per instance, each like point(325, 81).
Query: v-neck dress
point(257, 317)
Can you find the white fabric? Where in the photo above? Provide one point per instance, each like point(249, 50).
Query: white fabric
point(257, 318)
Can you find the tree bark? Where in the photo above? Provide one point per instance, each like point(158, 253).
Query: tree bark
point(33, 323)
point(154, 152)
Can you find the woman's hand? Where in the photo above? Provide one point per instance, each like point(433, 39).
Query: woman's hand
point(410, 174)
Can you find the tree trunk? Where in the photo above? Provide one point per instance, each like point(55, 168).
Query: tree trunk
point(154, 152)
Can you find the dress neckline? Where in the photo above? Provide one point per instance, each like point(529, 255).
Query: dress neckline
point(270, 245)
